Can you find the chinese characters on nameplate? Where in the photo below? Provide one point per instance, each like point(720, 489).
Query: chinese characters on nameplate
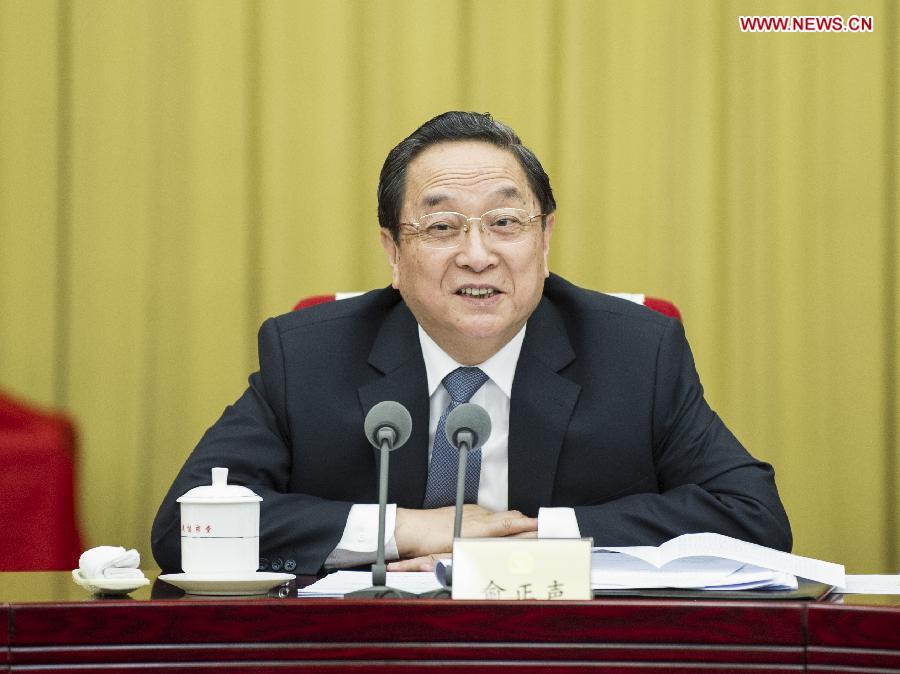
point(504, 569)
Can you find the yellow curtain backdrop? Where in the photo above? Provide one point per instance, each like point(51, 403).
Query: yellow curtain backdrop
point(174, 171)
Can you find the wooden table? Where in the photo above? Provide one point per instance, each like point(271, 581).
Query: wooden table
point(49, 625)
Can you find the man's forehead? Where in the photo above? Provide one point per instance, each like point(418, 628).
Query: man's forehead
point(444, 169)
point(463, 155)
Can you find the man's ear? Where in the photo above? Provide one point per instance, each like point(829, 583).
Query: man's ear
point(392, 249)
point(547, 233)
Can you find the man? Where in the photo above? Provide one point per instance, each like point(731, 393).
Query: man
point(600, 426)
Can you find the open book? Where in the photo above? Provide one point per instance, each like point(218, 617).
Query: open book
point(692, 561)
point(706, 561)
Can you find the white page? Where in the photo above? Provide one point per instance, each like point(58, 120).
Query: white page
point(611, 569)
point(717, 545)
point(762, 580)
point(871, 584)
point(343, 582)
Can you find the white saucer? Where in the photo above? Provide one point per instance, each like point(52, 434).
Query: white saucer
point(253, 583)
point(108, 585)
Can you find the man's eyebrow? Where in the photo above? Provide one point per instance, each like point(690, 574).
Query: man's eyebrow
point(509, 192)
point(433, 200)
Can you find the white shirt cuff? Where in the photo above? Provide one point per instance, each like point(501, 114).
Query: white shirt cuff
point(557, 523)
point(361, 530)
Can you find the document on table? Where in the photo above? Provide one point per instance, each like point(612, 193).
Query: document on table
point(620, 571)
point(870, 584)
point(710, 561)
point(343, 582)
point(697, 561)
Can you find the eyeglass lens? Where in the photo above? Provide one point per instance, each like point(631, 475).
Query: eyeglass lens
point(446, 230)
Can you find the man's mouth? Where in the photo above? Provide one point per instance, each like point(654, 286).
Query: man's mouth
point(477, 292)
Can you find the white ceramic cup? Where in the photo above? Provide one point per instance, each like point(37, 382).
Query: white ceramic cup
point(220, 528)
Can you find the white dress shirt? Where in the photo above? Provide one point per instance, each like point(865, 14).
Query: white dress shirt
point(361, 531)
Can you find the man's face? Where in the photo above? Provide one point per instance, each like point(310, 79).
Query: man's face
point(469, 177)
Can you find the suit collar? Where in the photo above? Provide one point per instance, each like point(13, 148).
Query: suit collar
point(541, 406)
point(546, 338)
point(396, 354)
point(397, 340)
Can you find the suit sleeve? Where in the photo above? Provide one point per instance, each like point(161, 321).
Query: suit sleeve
point(252, 439)
point(707, 480)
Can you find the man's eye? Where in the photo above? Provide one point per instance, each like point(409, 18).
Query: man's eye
point(507, 221)
point(440, 229)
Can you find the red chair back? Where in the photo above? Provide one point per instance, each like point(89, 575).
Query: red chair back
point(37, 490)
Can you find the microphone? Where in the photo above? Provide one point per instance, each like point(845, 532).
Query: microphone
point(467, 427)
point(388, 421)
point(388, 427)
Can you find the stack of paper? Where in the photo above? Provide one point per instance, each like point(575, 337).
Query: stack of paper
point(706, 561)
point(344, 582)
point(619, 570)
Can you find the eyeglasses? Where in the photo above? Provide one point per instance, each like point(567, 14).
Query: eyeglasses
point(447, 230)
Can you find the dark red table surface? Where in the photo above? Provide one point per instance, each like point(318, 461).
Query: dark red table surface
point(49, 621)
point(58, 586)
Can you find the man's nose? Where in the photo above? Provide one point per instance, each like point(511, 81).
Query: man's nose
point(476, 251)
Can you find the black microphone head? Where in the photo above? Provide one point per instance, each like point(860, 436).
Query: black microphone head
point(468, 417)
point(388, 414)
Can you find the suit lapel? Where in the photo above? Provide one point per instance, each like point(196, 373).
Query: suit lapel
point(541, 406)
point(397, 354)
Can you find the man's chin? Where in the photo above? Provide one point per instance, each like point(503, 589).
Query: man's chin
point(485, 330)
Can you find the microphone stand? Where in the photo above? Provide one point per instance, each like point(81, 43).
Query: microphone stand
point(464, 441)
point(467, 425)
point(379, 589)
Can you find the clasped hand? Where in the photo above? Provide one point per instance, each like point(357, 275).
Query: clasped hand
point(423, 536)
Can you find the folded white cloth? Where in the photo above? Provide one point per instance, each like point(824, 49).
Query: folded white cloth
point(109, 561)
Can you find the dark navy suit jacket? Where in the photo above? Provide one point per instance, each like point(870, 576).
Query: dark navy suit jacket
point(607, 416)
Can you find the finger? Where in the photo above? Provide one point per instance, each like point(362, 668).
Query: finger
point(518, 525)
point(499, 525)
point(525, 534)
point(415, 564)
point(513, 519)
point(424, 563)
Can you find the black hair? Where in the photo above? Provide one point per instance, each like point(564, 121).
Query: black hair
point(454, 126)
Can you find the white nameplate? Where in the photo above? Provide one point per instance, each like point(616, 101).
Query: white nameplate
point(507, 568)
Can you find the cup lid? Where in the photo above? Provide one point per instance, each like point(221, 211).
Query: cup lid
point(219, 491)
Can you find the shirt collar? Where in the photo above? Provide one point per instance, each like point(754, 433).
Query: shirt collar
point(501, 367)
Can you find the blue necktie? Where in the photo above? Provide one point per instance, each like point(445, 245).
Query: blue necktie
point(461, 384)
